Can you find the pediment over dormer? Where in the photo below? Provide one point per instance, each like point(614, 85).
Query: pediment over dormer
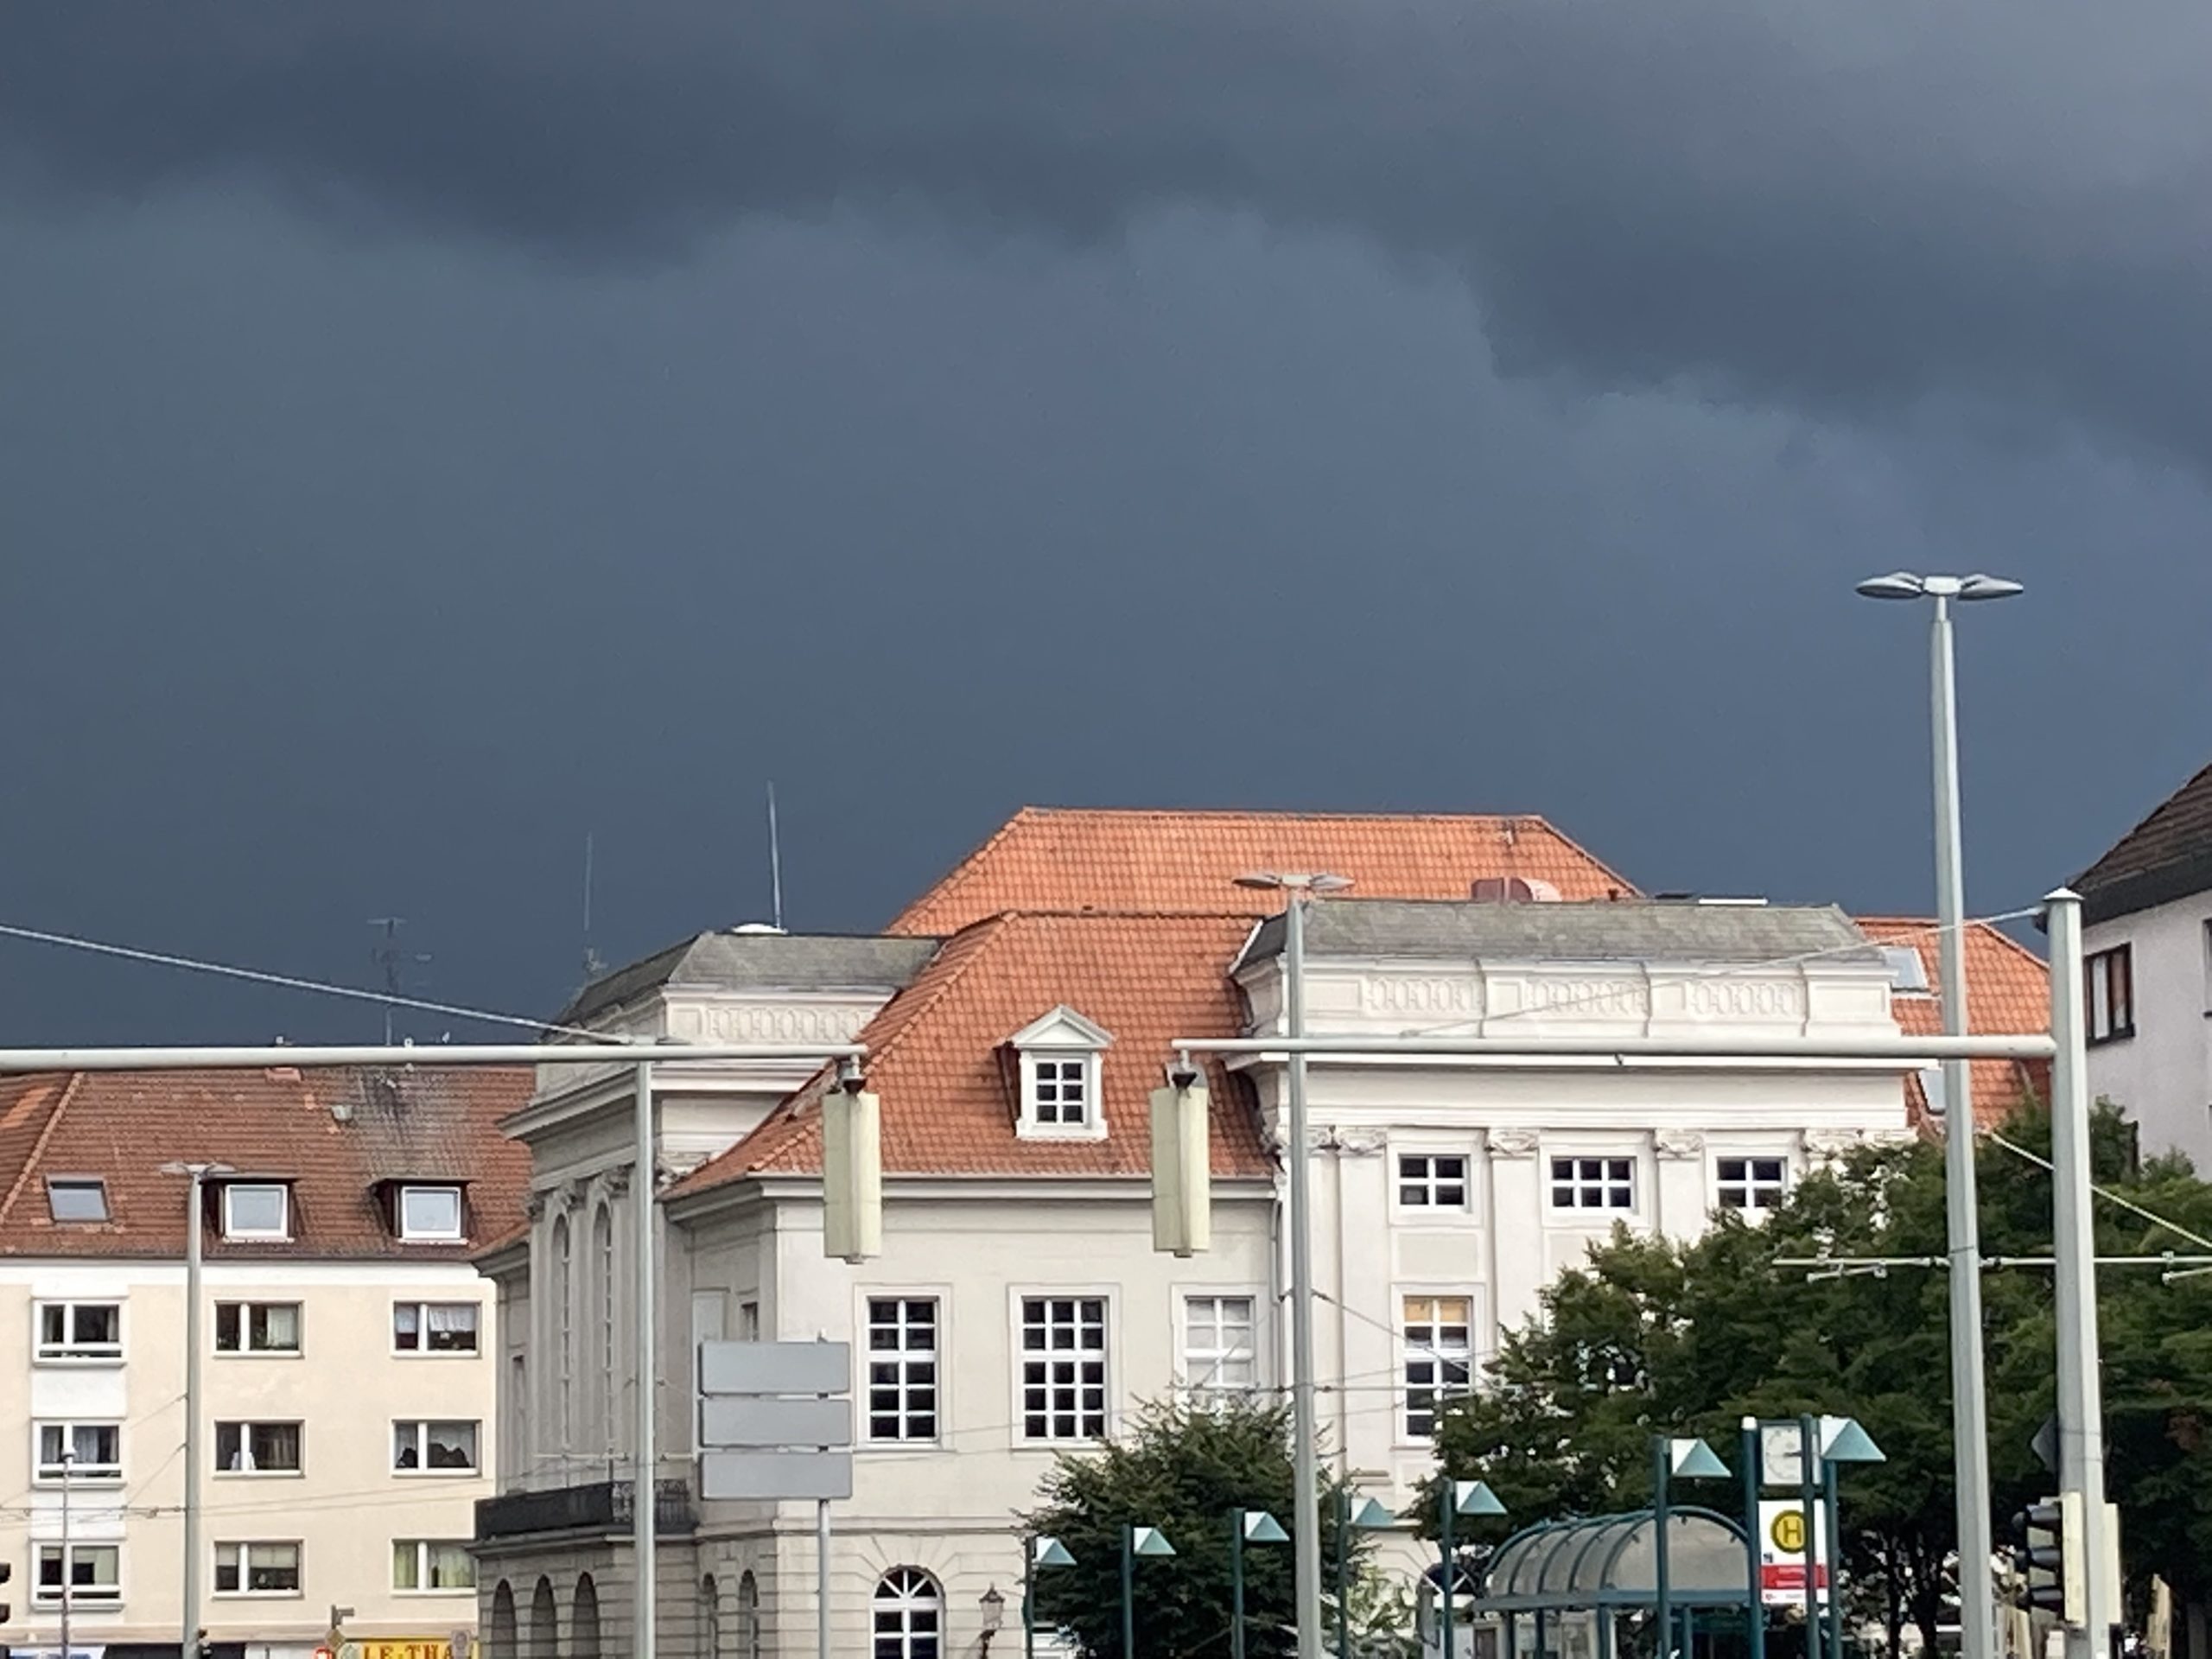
point(1062, 1028)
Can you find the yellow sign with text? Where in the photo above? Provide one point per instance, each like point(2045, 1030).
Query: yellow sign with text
point(1788, 1532)
point(407, 1647)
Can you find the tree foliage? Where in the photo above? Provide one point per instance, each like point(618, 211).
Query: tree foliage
point(1654, 1336)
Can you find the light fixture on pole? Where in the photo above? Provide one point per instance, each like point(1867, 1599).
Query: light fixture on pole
point(1369, 1517)
point(1036, 1553)
point(1842, 1441)
point(1136, 1541)
point(1299, 888)
point(195, 1224)
point(1673, 1457)
point(1969, 1398)
point(1246, 1526)
point(1459, 1498)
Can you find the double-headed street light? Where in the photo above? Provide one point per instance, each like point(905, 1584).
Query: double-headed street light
point(1969, 1403)
point(1305, 1514)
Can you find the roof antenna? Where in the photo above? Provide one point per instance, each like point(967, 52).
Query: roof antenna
point(593, 965)
point(388, 956)
point(775, 865)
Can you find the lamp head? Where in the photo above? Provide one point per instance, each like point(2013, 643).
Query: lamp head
point(1898, 584)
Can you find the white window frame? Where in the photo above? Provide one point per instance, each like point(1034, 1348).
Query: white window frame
point(78, 1473)
point(1062, 1038)
point(1753, 1186)
point(69, 1351)
point(422, 1586)
point(1018, 1372)
point(903, 1604)
point(900, 1359)
point(102, 1595)
point(1430, 1183)
point(422, 1349)
point(246, 1426)
point(245, 1350)
point(1583, 1182)
point(1439, 1386)
point(231, 1230)
point(2108, 992)
point(411, 1234)
point(422, 1425)
point(241, 1555)
point(1198, 1366)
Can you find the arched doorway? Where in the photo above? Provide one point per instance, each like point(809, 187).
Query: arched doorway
point(908, 1616)
point(500, 1632)
point(748, 1617)
point(543, 1635)
point(584, 1620)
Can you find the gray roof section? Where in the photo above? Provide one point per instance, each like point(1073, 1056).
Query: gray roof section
point(1634, 930)
point(759, 962)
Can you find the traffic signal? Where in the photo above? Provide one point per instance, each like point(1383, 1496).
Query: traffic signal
point(2049, 1558)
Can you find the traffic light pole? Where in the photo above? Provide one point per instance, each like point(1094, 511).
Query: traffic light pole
point(2081, 1391)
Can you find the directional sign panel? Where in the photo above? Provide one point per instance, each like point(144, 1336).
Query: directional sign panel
point(775, 1368)
point(735, 1420)
point(773, 1475)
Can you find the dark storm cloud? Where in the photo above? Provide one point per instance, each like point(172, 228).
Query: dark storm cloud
point(1840, 206)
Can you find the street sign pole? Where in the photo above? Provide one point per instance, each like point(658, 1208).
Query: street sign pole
point(1747, 1443)
point(1832, 1516)
point(1808, 1494)
point(1663, 1606)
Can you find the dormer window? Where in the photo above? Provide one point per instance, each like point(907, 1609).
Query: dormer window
point(1059, 1066)
point(256, 1210)
point(430, 1214)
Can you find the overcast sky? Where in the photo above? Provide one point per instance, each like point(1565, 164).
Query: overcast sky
point(429, 435)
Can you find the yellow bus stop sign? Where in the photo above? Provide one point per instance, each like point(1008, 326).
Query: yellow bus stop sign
point(1788, 1532)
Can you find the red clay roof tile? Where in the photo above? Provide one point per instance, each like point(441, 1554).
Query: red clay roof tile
point(2008, 991)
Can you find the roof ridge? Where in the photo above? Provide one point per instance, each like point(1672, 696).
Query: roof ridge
point(966, 866)
point(2143, 823)
point(38, 1147)
point(983, 929)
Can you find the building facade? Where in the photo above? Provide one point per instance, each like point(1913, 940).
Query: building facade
point(348, 1414)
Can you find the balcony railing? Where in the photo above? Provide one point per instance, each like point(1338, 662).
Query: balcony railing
point(597, 1506)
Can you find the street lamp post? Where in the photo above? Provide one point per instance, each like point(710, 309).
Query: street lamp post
point(1036, 1553)
point(1969, 1401)
point(194, 1228)
point(1135, 1542)
point(1246, 1526)
point(1299, 886)
point(1461, 1498)
point(1369, 1517)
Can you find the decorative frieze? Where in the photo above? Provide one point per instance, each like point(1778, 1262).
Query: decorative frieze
point(1678, 1145)
point(767, 1022)
point(1513, 1143)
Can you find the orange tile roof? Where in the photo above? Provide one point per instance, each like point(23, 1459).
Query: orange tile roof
point(1047, 858)
point(935, 1051)
point(2008, 991)
point(424, 1122)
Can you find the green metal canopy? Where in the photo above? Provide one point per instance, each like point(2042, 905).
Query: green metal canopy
point(1608, 1560)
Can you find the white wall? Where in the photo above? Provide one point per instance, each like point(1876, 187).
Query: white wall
point(2162, 1075)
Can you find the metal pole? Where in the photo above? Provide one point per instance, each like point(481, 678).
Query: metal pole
point(1128, 1594)
point(644, 1486)
point(1450, 1570)
point(1809, 1494)
point(1306, 1513)
point(188, 1643)
point(1236, 1584)
point(1969, 1403)
point(2080, 1388)
point(1831, 1510)
point(15, 1060)
point(1747, 1442)
point(68, 1567)
point(822, 1578)
point(1663, 1607)
point(1028, 1600)
point(1344, 1573)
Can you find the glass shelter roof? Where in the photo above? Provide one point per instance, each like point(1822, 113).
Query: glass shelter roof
point(1607, 1561)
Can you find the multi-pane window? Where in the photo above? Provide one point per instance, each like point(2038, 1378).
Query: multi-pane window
point(91, 1331)
point(256, 1569)
point(2112, 993)
point(443, 1448)
point(430, 1565)
point(76, 1198)
point(435, 1327)
point(909, 1616)
point(92, 1571)
point(1060, 1091)
point(432, 1213)
point(258, 1448)
point(256, 1210)
point(1593, 1183)
point(902, 1374)
point(1063, 1367)
point(1432, 1181)
point(79, 1452)
point(1219, 1356)
point(257, 1327)
point(1749, 1183)
point(1440, 1355)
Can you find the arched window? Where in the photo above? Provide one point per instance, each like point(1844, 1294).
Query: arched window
point(748, 1617)
point(710, 1618)
point(584, 1620)
point(564, 1340)
point(500, 1640)
point(542, 1638)
point(909, 1615)
point(602, 1251)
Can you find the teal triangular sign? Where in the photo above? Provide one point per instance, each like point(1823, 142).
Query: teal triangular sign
point(1148, 1542)
point(1051, 1551)
point(1475, 1497)
point(1693, 1460)
point(1261, 1528)
point(1373, 1517)
point(1843, 1441)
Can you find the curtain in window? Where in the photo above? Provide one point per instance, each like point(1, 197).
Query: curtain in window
point(280, 1326)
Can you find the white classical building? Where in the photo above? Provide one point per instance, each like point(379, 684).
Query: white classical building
point(1016, 1022)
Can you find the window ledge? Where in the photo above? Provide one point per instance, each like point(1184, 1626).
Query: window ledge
point(256, 1595)
point(436, 1594)
point(261, 1474)
point(438, 1474)
point(80, 1362)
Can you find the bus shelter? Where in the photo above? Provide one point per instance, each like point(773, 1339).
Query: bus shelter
point(1569, 1583)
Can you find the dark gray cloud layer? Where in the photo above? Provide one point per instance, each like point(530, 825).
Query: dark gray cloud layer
point(1842, 207)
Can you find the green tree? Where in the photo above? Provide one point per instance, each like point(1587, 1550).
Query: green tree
point(1182, 1469)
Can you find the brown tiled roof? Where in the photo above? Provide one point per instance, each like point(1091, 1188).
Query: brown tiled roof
point(2167, 856)
point(336, 1134)
point(936, 1059)
point(2008, 991)
point(1048, 858)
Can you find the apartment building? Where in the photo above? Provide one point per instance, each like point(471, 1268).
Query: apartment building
point(1017, 1015)
point(348, 1412)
